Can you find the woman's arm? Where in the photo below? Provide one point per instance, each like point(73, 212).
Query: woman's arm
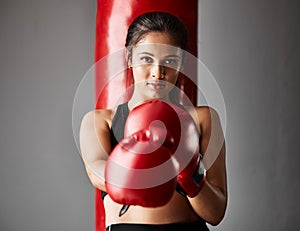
point(210, 203)
point(95, 144)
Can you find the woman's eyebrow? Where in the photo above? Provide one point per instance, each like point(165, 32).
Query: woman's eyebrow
point(172, 56)
point(145, 53)
point(167, 56)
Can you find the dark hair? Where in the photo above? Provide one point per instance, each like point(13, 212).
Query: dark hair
point(157, 22)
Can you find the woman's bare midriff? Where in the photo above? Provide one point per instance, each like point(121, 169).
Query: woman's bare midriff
point(176, 210)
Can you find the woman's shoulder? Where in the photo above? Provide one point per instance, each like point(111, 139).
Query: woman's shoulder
point(203, 114)
point(100, 118)
point(204, 111)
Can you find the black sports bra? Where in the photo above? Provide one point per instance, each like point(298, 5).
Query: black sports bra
point(118, 124)
point(117, 128)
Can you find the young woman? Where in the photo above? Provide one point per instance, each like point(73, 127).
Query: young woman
point(154, 53)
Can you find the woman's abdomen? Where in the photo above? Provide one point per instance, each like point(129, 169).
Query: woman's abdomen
point(177, 210)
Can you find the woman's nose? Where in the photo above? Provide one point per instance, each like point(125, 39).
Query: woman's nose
point(158, 71)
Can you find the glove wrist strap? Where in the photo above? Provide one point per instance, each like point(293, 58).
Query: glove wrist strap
point(191, 186)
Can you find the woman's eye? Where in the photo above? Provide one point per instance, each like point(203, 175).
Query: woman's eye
point(171, 62)
point(146, 59)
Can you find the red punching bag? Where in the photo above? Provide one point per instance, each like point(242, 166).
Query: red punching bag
point(112, 21)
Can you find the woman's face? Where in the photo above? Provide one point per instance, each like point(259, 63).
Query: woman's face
point(156, 62)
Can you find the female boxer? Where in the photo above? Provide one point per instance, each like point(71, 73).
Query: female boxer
point(154, 42)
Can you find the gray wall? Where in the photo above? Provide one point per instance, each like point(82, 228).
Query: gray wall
point(251, 48)
point(46, 48)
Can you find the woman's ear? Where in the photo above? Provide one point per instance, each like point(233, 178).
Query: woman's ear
point(128, 57)
point(180, 66)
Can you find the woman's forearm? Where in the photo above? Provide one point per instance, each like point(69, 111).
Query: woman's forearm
point(210, 203)
point(95, 172)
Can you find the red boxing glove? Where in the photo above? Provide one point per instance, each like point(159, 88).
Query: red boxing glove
point(192, 173)
point(133, 166)
point(179, 123)
point(154, 113)
point(192, 178)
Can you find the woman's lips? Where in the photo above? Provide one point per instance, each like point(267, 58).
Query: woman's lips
point(156, 86)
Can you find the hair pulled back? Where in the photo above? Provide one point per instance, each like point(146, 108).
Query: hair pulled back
point(157, 22)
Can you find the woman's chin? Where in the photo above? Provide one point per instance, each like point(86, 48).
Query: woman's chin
point(157, 95)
